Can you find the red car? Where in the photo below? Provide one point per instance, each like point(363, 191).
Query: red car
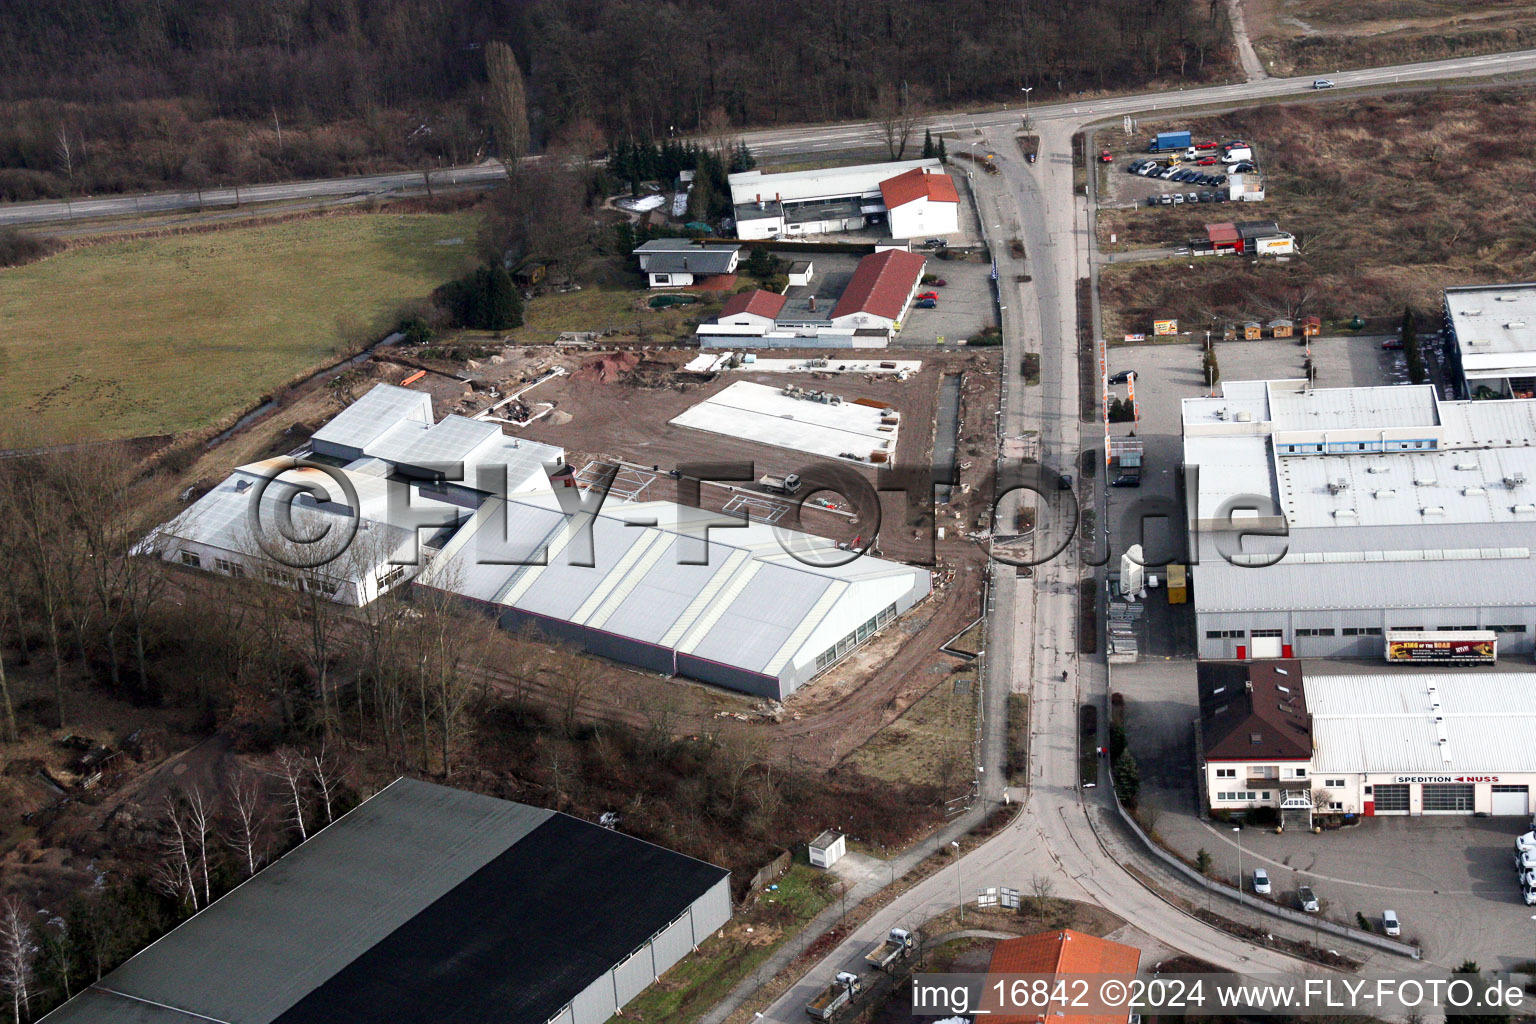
point(1105, 156)
point(1392, 343)
point(1205, 145)
point(1206, 161)
point(929, 295)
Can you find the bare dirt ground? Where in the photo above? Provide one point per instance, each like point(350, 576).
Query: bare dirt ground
point(1305, 36)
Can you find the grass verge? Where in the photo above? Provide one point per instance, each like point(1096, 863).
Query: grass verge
point(702, 979)
point(930, 744)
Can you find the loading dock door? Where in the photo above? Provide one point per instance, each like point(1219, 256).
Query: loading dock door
point(1391, 799)
point(1266, 646)
point(1510, 800)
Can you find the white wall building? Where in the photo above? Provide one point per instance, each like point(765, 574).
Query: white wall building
point(1491, 339)
point(815, 202)
point(1397, 511)
point(1402, 742)
point(921, 203)
point(681, 262)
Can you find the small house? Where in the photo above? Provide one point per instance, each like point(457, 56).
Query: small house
point(681, 262)
point(1223, 237)
point(800, 273)
point(827, 849)
point(1252, 331)
point(1311, 326)
point(1281, 328)
point(529, 274)
point(1229, 332)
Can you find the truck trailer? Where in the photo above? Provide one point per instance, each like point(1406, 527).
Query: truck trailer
point(833, 999)
point(1165, 141)
point(897, 947)
point(1442, 647)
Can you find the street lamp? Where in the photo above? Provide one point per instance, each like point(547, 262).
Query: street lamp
point(1026, 90)
point(959, 893)
point(1239, 832)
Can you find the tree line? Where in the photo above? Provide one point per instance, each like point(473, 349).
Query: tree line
point(139, 93)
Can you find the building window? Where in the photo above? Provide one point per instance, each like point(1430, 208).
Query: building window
point(1410, 629)
point(190, 558)
point(1298, 773)
point(1323, 631)
point(1334, 783)
point(391, 576)
point(1226, 773)
point(278, 576)
point(1507, 629)
point(1247, 796)
point(1362, 631)
point(1392, 798)
point(1224, 634)
point(1335, 805)
point(325, 586)
point(1451, 629)
point(1267, 632)
point(234, 569)
point(1264, 771)
point(663, 278)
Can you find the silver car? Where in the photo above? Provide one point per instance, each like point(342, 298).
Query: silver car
point(1261, 882)
point(1307, 899)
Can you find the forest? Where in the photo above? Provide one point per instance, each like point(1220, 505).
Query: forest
point(131, 94)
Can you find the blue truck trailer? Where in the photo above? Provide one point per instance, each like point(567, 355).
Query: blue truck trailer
point(1164, 141)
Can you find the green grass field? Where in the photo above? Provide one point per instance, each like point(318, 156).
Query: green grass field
point(162, 335)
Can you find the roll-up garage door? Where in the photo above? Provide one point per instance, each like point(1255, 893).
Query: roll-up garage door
point(1391, 798)
point(1512, 800)
point(1448, 797)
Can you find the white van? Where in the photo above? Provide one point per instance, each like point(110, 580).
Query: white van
point(1389, 924)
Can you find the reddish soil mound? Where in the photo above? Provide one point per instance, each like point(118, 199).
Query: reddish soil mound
point(607, 369)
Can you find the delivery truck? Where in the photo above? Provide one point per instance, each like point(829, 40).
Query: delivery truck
point(834, 999)
point(1162, 142)
point(788, 484)
point(896, 948)
point(1442, 647)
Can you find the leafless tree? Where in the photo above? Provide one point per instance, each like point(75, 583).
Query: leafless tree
point(18, 957)
point(1042, 888)
point(293, 770)
point(507, 101)
point(562, 773)
point(896, 112)
point(64, 152)
point(326, 769)
point(8, 733)
point(42, 550)
point(246, 810)
point(201, 828)
point(742, 750)
point(173, 874)
point(55, 947)
point(718, 133)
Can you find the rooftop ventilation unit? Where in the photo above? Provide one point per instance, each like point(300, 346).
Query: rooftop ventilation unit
point(1515, 325)
point(1464, 466)
point(1375, 469)
point(1345, 513)
point(1523, 509)
point(1424, 481)
point(1386, 492)
point(1432, 510)
point(1514, 480)
point(1338, 486)
point(1245, 417)
point(1468, 492)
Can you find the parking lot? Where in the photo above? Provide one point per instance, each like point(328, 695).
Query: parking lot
point(1451, 879)
point(963, 309)
point(1119, 187)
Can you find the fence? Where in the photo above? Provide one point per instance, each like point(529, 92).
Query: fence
point(1189, 874)
point(767, 874)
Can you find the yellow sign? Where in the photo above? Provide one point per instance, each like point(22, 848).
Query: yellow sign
point(1165, 327)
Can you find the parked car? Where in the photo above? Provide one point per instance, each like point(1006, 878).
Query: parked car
point(1135, 166)
point(1106, 157)
point(1321, 83)
point(924, 304)
point(1526, 842)
point(1389, 923)
point(1120, 377)
point(1207, 197)
point(1306, 899)
point(1202, 146)
point(1207, 161)
point(1126, 480)
point(1064, 482)
point(1178, 197)
point(1525, 860)
point(1529, 894)
point(935, 243)
point(1244, 167)
point(1221, 179)
point(1261, 882)
point(929, 295)
point(1165, 200)
point(1222, 197)
point(1192, 197)
point(1167, 173)
point(1392, 343)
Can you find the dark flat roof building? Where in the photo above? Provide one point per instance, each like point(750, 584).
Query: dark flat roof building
point(427, 904)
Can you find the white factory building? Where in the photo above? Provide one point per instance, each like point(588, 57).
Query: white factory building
point(1399, 511)
point(730, 604)
point(833, 199)
point(377, 465)
point(1404, 742)
point(1491, 339)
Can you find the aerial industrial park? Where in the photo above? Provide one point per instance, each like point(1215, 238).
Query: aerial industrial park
point(528, 535)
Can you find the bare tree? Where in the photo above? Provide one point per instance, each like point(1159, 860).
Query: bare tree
point(1041, 889)
point(18, 957)
point(247, 818)
point(202, 822)
point(326, 769)
point(64, 152)
point(173, 874)
point(293, 770)
point(743, 751)
point(719, 136)
point(56, 947)
point(896, 111)
point(562, 774)
point(8, 733)
point(508, 103)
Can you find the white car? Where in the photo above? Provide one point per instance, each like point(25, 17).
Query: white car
point(1261, 882)
point(1529, 894)
point(1525, 860)
point(1528, 879)
point(1389, 924)
point(1525, 842)
point(1322, 83)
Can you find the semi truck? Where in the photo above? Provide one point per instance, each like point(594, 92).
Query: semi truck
point(896, 948)
point(787, 484)
point(833, 999)
point(1162, 142)
point(1442, 647)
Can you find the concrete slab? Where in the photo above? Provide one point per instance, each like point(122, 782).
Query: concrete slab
point(769, 416)
point(830, 364)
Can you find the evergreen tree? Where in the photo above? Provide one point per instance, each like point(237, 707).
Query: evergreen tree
point(502, 305)
point(742, 159)
point(928, 151)
point(1416, 372)
point(943, 153)
point(1127, 777)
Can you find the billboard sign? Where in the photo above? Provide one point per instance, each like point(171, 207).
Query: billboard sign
point(1165, 327)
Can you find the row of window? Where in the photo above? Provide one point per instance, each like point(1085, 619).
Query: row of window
point(1350, 447)
point(1238, 634)
point(827, 658)
point(1247, 796)
point(1263, 771)
point(271, 573)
